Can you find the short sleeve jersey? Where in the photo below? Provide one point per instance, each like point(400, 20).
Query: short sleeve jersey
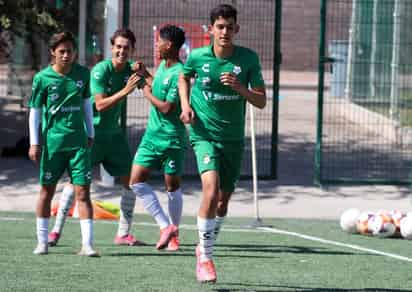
point(164, 88)
point(219, 110)
point(61, 99)
point(104, 79)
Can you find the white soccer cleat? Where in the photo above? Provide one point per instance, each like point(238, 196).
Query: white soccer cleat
point(88, 251)
point(41, 249)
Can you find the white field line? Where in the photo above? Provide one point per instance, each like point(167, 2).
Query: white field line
point(265, 229)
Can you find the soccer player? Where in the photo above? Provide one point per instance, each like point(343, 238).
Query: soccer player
point(60, 97)
point(110, 82)
point(226, 77)
point(163, 143)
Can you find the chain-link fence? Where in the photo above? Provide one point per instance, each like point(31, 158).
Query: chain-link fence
point(365, 124)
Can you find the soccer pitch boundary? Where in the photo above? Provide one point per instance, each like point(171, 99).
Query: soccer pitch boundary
point(229, 228)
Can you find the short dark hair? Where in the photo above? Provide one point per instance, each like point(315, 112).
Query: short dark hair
point(223, 10)
point(126, 33)
point(174, 34)
point(61, 37)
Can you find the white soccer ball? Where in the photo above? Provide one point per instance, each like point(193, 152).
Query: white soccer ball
point(348, 220)
point(382, 225)
point(406, 227)
point(363, 222)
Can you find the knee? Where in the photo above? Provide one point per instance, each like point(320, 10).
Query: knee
point(82, 195)
point(222, 208)
point(139, 188)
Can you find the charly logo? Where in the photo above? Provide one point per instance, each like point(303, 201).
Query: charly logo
point(172, 164)
point(206, 68)
point(89, 175)
point(166, 80)
point(237, 70)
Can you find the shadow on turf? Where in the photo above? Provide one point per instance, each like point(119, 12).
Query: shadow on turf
point(300, 289)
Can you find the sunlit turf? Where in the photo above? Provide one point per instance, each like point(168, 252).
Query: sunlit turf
point(246, 259)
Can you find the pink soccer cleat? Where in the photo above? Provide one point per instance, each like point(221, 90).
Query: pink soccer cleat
point(127, 239)
point(165, 236)
point(174, 242)
point(53, 238)
point(205, 271)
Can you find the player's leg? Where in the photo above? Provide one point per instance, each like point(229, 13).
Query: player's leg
point(173, 169)
point(65, 204)
point(229, 173)
point(175, 207)
point(52, 167)
point(117, 160)
point(144, 191)
point(43, 215)
point(80, 174)
point(207, 157)
point(147, 158)
point(127, 204)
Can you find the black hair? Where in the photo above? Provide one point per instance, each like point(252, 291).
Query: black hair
point(61, 37)
point(174, 34)
point(223, 10)
point(125, 33)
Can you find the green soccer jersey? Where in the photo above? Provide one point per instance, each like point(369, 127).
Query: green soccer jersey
point(104, 79)
point(219, 110)
point(61, 98)
point(164, 87)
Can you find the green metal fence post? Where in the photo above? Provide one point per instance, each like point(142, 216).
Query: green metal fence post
point(321, 73)
point(276, 69)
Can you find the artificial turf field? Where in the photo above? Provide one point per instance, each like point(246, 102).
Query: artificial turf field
point(277, 259)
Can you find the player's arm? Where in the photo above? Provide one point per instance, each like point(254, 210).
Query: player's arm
point(88, 116)
point(256, 96)
point(34, 132)
point(187, 116)
point(164, 107)
point(104, 102)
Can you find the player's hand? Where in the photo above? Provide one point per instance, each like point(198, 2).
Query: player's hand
point(90, 142)
point(230, 79)
point(139, 68)
point(187, 116)
point(34, 153)
point(131, 83)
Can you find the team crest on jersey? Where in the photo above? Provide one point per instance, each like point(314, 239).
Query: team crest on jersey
point(166, 80)
point(79, 83)
point(206, 68)
point(205, 81)
point(54, 96)
point(206, 159)
point(237, 69)
point(97, 75)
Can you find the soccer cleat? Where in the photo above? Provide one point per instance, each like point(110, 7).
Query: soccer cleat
point(88, 251)
point(205, 271)
point(127, 239)
point(173, 243)
point(41, 249)
point(53, 238)
point(165, 236)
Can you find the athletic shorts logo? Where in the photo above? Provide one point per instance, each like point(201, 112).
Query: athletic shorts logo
point(48, 175)
point(89, 175)
point(172, 164)
point(79, 83)
point(206, 159)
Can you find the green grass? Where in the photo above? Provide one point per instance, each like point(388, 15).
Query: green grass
point(246, 260)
